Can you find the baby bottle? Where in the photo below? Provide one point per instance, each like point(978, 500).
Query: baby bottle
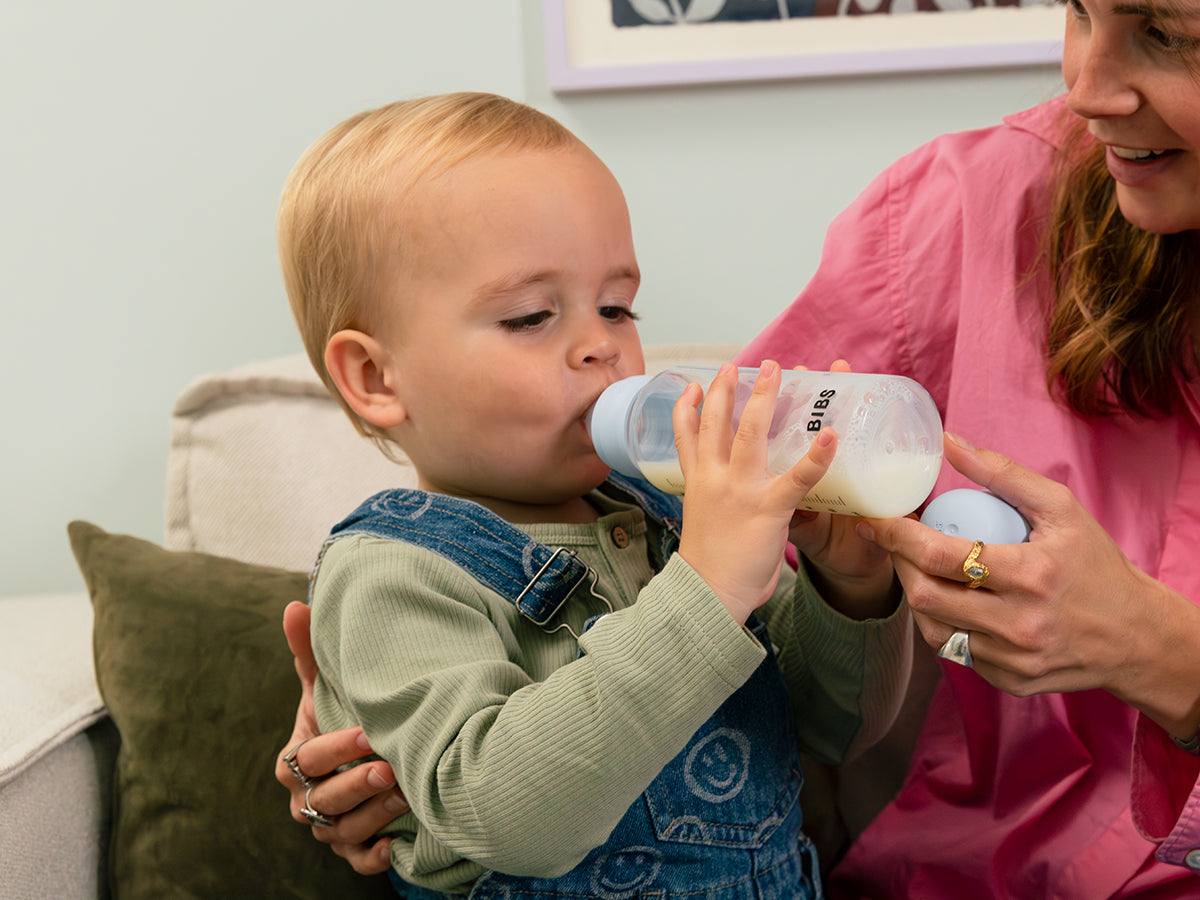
point(889, 434)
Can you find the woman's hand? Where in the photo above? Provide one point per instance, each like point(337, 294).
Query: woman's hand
point(1066, 611)
point(359, 801)
point(736, 511)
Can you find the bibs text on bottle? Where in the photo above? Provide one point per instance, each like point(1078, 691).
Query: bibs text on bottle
point(889, 434)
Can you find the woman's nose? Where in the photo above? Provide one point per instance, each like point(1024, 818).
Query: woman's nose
point(1102, 86)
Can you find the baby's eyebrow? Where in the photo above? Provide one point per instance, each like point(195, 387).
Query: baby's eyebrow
point(515, 282)
point(625, 273)
point(512, 283)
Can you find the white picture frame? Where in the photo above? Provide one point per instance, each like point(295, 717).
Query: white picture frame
point(585, 51)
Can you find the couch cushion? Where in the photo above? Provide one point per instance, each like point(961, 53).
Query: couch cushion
point(192, 663)
point(264, 462)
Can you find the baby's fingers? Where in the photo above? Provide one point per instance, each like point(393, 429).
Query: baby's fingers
point(811, 468)
point(685, 419)
point(749, 446)
point(716, 415)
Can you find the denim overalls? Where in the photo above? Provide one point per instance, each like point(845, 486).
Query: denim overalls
point(722, 820)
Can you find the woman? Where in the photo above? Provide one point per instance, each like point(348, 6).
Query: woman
point(1040, 279)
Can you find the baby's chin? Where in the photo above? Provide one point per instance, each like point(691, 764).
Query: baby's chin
point(566, 501)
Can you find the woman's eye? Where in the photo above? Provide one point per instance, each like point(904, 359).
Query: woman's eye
point(525, 323)
point(1175, 43)
point(618, 312)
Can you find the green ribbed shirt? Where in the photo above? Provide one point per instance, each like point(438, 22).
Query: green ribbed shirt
point(518, 754)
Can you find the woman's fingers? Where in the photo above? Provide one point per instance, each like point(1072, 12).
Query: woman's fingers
point(929, 551)
point(321, 754)
point(1038, 498)
point(366, 859)
point(930, 566)
point(296, 619)
point(360, 801)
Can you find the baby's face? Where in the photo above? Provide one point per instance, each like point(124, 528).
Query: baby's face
point(515, 317)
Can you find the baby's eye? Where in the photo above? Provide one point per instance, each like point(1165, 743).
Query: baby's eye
point(617, 313)
point(527, 322)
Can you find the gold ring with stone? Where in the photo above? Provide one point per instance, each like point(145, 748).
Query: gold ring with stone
point(975, 570)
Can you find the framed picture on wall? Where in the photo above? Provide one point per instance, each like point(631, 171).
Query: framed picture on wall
point(599, 44)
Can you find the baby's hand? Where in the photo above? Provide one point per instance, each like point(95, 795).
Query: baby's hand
point(736, 512)
point(853, 575)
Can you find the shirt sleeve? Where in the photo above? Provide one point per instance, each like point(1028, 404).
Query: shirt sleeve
point(846, 678)
point(502, 769)
point(1166, 795)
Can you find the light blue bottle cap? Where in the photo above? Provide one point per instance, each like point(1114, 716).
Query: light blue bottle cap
point(977, 516)
point(608, 424)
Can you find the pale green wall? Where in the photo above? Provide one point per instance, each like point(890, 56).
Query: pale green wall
point(144, 144)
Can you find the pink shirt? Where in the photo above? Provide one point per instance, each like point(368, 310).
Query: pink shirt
point(1062, 795)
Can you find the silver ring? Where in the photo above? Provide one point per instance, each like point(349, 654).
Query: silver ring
point(294, 766)
point(315, 818)
point(957, 649)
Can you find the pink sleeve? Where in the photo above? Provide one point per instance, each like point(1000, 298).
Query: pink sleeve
point(1166, 795)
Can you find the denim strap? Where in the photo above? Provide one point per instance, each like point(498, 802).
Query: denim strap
point(534, 577)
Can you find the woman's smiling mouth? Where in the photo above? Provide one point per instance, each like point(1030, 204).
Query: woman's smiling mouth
point(1136, 155)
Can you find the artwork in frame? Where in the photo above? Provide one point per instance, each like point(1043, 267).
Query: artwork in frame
point(598, 44)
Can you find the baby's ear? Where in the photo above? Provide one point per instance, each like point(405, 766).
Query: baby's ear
point(358, 365)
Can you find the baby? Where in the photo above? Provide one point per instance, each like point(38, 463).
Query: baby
point(569, 672)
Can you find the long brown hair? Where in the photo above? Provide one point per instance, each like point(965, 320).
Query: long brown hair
point(1119, 327)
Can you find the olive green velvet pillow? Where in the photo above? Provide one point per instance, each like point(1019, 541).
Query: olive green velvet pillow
point(197, 676)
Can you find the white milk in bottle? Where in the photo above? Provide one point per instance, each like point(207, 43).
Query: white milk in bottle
point(889, 434)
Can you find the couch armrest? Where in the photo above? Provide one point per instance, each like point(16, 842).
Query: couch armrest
point(55, 755)
point(48, 690)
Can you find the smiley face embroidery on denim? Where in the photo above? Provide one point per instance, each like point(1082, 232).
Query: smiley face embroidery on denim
point(621, 875)
point(717, 767)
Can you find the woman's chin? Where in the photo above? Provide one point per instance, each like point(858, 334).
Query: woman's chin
point(1156, 215)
